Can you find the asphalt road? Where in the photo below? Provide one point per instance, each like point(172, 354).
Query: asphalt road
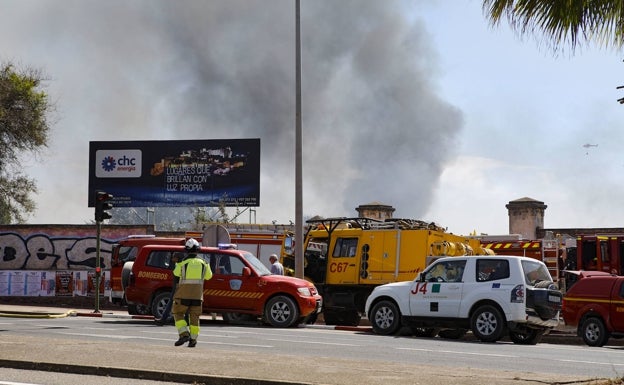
point(118, 347)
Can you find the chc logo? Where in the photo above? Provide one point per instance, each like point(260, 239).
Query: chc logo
point(118, 163)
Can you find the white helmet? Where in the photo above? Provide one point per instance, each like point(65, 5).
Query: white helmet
point(191, 245)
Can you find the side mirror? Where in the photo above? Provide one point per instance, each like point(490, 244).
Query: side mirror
point(246, 272)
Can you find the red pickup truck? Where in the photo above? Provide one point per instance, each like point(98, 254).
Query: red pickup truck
point(240, 286)
point(595, 305)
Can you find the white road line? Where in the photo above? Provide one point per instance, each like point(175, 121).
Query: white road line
point(458, 352)
point(163, 339)
point(591, 362)
point(309, 342)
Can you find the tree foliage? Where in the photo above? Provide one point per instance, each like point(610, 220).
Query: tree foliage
point(23, 128)
point(562, 22)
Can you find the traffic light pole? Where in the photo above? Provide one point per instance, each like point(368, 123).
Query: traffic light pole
point(102, 205)
point(97, 266)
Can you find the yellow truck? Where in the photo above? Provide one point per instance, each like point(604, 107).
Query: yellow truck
point(346, 258)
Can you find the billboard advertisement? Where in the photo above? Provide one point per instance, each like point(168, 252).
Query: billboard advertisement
point(176, 172)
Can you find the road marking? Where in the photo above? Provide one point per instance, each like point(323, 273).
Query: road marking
point(309, 342)
point(592, 362)
point(114, 337)
point(458, 352)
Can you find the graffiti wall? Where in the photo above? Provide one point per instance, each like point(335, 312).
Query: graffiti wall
point(43, 260)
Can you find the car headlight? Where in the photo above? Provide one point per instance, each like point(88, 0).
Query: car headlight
point(305, 291)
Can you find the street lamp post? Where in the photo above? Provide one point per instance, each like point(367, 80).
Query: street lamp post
point(299, 261)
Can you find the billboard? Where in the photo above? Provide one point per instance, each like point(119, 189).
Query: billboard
point(176, 172)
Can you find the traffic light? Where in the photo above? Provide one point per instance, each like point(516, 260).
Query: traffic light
point(102, 205)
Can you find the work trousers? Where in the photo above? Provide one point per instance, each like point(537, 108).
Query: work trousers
point(179, 310)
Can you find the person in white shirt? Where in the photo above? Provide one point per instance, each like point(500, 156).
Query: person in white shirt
point(276, 267)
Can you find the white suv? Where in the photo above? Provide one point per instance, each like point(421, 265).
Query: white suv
point(490, 295)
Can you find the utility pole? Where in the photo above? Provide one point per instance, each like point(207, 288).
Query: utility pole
point(299, 261)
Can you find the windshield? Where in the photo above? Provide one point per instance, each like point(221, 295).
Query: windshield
point(260, 268)
point(535, 272)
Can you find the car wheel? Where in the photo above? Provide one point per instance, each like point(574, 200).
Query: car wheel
point(160, 303)
point(526, 337)
point(237, 318)
point(385, 318)
point(594, 332)
point(281, 312)
point(487, 323)
point(139, 309)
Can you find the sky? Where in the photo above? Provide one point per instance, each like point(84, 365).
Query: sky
point(420, 105)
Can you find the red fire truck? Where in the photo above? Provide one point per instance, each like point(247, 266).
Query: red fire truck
point(549, 251)
point(600, 252)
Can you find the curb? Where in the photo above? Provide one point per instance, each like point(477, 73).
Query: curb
point(113, 315)
point(24, 314)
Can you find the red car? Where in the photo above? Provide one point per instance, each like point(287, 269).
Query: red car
point(595, 305)
point(241, 286)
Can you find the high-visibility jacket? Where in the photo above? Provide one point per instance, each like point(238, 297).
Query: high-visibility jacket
point(191, 273)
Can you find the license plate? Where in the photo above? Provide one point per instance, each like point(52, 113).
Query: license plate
point(554, 298)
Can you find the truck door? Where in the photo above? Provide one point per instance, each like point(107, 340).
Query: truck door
point(227, 289)
point(342, 266)
point(617, 306)
point(439, 293)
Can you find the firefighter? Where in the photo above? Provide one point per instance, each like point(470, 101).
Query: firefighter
point(189, 275)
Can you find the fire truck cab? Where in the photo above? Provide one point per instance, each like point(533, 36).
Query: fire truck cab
point(600, 253)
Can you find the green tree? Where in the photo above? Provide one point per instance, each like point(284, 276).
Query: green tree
point(23, 128)
point(563, 23)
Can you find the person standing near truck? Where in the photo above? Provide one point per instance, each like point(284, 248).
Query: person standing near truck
point(276, 266)
point(166, 317)
point(189, 294)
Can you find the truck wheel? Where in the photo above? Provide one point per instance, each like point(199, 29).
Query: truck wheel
point(281, 312)
point(349, 317)
point(526, 337)
point(160, 303)
point(487, 323)
point(125, 274)
point(594, 332)
point(385, 318)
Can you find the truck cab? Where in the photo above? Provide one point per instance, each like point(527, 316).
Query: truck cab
point(595, 306)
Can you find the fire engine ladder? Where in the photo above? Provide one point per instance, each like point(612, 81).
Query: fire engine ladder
point(550, 255)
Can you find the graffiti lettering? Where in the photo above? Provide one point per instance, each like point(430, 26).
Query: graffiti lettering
point(43, 252)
